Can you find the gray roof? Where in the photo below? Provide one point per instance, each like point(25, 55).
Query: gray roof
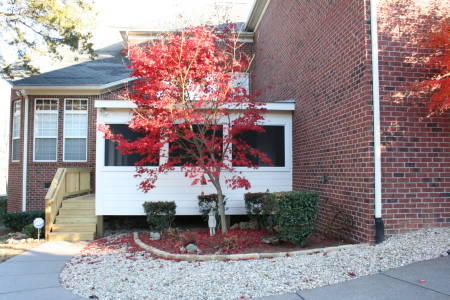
point(103, 70)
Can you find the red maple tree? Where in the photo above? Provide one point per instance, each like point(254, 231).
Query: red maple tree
point(191, 111)
point(439, 84)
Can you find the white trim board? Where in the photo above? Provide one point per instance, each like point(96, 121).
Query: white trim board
point(73, 87)
point(128, 104)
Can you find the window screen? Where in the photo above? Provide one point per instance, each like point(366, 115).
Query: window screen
point(16, 131)
point(45, 129)
point(182, 153)
point(270, 142)
point(113, 156)
point(75, 129)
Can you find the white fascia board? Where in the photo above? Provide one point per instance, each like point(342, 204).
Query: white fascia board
point(128, 104)
point(280, 106)
point(114, 104)
point(96, 87)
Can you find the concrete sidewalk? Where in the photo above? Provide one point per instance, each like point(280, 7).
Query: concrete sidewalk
point(423, 280)
point(34, 274)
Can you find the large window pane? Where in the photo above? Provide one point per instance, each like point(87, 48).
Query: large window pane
point(75, 129)
point(75, 149)
point(75, 125)
point(16, 126)
point(16, 131)
point(179, 149)
point(45, 149)
point(15, 149)
point(45, 129)
point(270, 142)
point(113, 156)
point(46, 124)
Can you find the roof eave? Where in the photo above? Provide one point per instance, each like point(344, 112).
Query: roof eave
point(73, 89)
point(283, 105)
point(145, 35)
point(256, 14)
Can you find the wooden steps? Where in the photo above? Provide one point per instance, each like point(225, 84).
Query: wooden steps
point(76, 220)
point(71, 236)
point(74, 227)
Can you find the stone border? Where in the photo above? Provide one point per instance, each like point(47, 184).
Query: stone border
point(245, 256)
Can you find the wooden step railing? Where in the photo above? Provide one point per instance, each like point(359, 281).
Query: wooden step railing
point(66, 182)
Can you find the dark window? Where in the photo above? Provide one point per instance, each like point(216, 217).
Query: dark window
point(113, 156)
point(178, 149)
point(270, 142)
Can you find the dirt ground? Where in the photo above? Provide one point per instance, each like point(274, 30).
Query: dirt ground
point(8, 250)
point(234, 242)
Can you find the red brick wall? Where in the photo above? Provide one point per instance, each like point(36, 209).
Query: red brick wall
point(15, 168)
point(316, 52)
point(416, 149)
point(41, 173)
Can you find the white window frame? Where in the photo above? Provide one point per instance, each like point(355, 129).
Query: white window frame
point(56, 112)
point(117, 114)
point(81, 112)
point(16, 114)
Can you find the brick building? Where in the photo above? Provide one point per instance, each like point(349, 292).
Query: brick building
point(357, 138)
point(320, 54)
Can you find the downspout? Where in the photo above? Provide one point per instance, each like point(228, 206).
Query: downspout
point(379, 224)
point(25, 151)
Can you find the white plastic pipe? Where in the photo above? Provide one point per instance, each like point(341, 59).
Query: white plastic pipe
point(376, 106)
point(25, 151)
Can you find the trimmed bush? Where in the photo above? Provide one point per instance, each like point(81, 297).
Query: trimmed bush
point(261, 207)
point(17, 221)
point(296, 215)
point(3, 204)
point(32, 232)
point(160, 215)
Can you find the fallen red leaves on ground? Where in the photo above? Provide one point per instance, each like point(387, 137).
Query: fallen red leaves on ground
point(234, 241)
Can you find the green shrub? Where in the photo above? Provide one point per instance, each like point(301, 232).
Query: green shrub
point(160, 215)
point(296, 215)
point(3, 204)
point(261, 207)
point(32, 232)
point(17, 221)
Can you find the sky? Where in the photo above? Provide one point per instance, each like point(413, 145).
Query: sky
point(114, 15)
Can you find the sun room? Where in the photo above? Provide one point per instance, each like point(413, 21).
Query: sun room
point(117, 189)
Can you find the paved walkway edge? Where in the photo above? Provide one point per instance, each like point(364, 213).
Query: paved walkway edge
point(34, 274)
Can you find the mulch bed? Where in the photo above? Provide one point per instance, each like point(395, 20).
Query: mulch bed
point(233, 242)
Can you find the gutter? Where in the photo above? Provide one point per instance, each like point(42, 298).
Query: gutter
point(25, 151)
point(95, 88)
point(284, 105)
point(379, 224)
point(256, 14)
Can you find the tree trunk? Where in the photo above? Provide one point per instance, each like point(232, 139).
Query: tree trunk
point(223, 221)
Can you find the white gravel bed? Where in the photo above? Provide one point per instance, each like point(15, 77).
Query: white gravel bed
point(122, 274)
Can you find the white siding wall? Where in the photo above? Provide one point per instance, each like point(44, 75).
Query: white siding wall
point(117, 190)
